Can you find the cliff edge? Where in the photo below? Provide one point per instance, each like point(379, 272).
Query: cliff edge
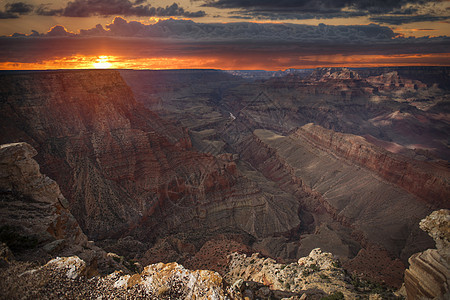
point(428, 276)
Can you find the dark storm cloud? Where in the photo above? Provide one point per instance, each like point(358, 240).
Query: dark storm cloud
point(88, 8)
point(13, 10)
point(318, 6)
point(7, 15)
point(398, 20)
point(20, 8)
point(294, 16)
point(316, 9)
point(43, 10)
point(269, 32)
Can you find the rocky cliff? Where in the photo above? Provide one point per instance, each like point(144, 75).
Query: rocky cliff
point(351, 195)
point(33, 208)
point(427, 180)
point(34, 218)
point(428, 276)
point(123, 169)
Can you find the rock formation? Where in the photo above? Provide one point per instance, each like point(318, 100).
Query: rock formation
point(67, 277)
point(302, 167)
point(32, 204)
point(35, 222)
point(312, 277)
point(428, 276)
point(123, 169)
point(254, 277)
point(424, 179)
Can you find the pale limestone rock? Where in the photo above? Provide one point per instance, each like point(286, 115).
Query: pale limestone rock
point(174, 280)
point(323, 260)
point(73, 266)
point(428, 276)
point(437, 225)
point(316, 274)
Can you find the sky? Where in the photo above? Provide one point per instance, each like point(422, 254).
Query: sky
point(223, 34)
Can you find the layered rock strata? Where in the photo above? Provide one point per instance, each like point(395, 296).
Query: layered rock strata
point(34, 218)
point(33, 205)
point(350, 193)
point(428, 276)
point(123, 169)
point(427, 180)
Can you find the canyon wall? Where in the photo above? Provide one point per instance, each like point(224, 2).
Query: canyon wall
point(123, 169)
point(35, 222)
point(427, 180)
point(353, 195)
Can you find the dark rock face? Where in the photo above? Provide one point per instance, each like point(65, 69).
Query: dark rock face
point(34, 212)
point(35, 222)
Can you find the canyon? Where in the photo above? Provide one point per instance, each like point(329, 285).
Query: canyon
point(189, 166)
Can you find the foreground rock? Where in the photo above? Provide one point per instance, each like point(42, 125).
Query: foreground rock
point(312, 277)
point(428, 276)
point(315, 276)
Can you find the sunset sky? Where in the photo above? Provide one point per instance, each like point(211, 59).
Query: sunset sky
point(223, 34)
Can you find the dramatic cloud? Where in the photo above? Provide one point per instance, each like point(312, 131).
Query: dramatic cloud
point(234, 44)
point(401, 19)
point(327, 9)
point(268, 32)
point(88, 8)
point(13, 10)
point(18, 8)
point(317, 6)
point(59, 31)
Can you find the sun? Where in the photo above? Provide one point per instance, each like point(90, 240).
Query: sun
point(102, 62)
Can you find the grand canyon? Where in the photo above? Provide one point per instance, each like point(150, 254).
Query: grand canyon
point(210, 184)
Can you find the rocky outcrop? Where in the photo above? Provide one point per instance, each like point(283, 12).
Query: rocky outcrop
point(32, 205)
point(424, 179)
point(428, 276)
point(313, 276)
point(68, 278)
point(35, 222)
point(324, 74)
point(173, 281)
point(255, 277)
point(392, 81)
